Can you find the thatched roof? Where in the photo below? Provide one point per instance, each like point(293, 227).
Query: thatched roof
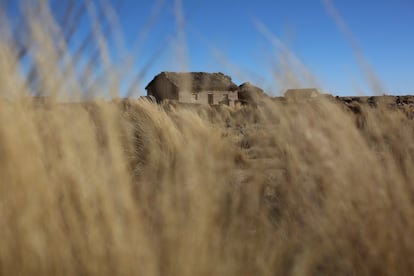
point(302, 92)
point(249, 92)
point(198, 81)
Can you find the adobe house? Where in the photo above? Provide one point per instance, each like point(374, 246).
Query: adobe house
point(301, 94)
point(193, 87)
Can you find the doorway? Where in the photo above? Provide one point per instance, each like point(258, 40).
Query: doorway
point(210, 99)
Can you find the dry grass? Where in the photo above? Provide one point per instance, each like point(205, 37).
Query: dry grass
point(139, 189)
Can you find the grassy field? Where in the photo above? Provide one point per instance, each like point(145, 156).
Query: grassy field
point(135, 188)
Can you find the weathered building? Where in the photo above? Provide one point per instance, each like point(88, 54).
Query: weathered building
point(301, 94)
point(193, 87)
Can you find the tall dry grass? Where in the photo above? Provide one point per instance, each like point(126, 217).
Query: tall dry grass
point(113, 188)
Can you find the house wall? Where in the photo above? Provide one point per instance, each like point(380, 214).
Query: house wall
point(202, 97)
point(185, 96)
point(162, 89)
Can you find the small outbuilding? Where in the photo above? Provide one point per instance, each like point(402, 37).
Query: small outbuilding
point(301, 94)
point(193, 87)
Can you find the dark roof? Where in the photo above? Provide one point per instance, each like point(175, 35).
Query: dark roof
point(248, 91)
point(248, 87)
point(198, 81)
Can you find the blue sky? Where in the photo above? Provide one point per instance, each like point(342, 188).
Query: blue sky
point(253, 40)
point(229, 36)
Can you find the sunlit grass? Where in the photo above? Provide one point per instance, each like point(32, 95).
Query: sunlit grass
point(135, 188)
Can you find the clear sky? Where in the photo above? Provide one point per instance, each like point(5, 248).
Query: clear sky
point(241, 38)
point(262, 41)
